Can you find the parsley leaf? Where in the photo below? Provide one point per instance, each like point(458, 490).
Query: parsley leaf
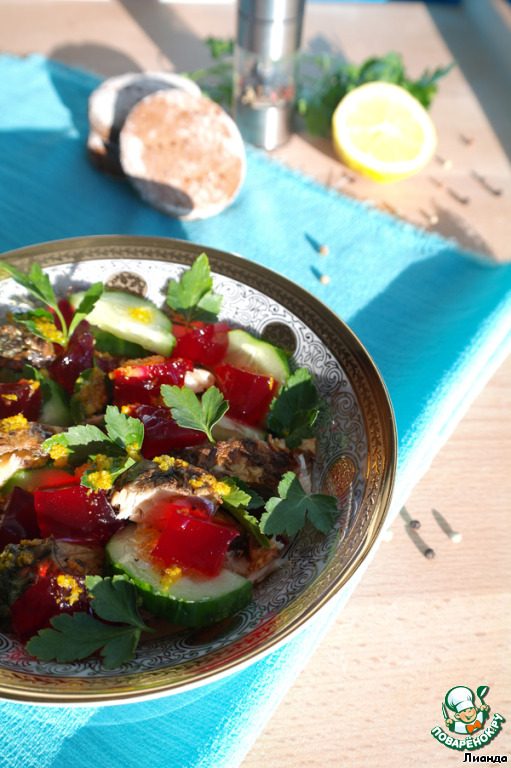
point(321, 82)
point(86, 305)
point(124, 430)
point(217, 81)
point(81, 435)
point(324, 80)
point(294, 411)
point(110, 467)
point(115, 599)
point(289, 512)
point(238, 501)
point(192, 297)
point(42, 322)
point(112, 453)
point(190, 412)
point(78, 635)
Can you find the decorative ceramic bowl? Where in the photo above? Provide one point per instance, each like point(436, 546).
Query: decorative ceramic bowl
point(356, 463)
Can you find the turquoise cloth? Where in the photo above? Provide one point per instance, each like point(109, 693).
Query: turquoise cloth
point(436, 320)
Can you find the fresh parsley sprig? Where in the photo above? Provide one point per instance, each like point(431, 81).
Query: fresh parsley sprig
point(324, 80)
point(41, 322)
point(190, 412)
point(216, 81)
point(239, 501)
point(78, 635)
point(288, 512)
point(192, 298)
point(120, 444)
point(294, 411)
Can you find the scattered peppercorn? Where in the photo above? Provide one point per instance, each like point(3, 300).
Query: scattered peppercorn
point(415, 524)
point(429, 553)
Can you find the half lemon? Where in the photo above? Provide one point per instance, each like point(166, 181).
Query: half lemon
point(382, 131)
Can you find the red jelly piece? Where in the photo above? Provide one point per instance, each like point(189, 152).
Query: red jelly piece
point(205, 345)
point(194, 543)
point(20, 520)
point(76, 513)
point(23, 396)
point(141, 383)
point(249, 394)
point(77, 357)
point(161, 433)
point(43, 600)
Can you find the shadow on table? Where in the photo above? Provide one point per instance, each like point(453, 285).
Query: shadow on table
point(474, 61)
point(103, 60)
point(451, 226)
point(428, 331)
point(177, 43)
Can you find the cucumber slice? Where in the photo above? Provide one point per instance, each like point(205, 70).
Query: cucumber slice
point(227, 428)
point(256, 355)
point(90, 396)
point(189, 601)
point(132, 318)
point(107, 342)
point(55, 406)
point(31, 479)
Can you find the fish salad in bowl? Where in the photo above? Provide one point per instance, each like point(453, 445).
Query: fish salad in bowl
point(152, 463)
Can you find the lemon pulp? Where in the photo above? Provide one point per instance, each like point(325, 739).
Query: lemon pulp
point(383, 132)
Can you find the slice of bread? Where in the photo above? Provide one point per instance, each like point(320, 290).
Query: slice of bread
point(104, 155)
point(110, 104)
point(183, 154)
point(113, 100)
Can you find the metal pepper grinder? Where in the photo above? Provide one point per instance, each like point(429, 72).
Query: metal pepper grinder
point(268, 37)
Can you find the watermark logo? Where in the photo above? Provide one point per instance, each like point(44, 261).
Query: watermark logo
point(466, 717)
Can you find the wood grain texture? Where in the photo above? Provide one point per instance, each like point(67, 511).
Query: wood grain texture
point(414, 628)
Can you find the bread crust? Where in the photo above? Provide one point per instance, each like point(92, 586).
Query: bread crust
point(110, 104)
point(112, 101)
point(183, 153)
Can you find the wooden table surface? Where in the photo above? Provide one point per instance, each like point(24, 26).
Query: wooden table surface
point(373, 690)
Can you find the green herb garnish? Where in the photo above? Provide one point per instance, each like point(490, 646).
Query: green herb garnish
point(319, 92)
point(192, 297)
point(78, 635)
point(190, 412)
point(112, 452)
point(216, 81)
point(288, 512)
point(41, 322)
point(322, 81)
point(239, 501)
point(294, 411)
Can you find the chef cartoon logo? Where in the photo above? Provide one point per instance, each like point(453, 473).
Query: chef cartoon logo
point(465, 716)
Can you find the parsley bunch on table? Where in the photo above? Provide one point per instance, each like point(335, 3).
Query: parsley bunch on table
point(321, 81)
point(319, 91)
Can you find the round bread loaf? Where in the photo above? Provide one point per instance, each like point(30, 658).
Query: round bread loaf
point(113, 100)
point(104, 155)
point(183, 154)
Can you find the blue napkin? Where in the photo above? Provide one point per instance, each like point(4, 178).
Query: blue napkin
point(436, 320)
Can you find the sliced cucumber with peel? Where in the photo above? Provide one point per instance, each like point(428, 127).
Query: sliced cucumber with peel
point(55, 406)
point(227, 429)
point(189, 601)
point(132, 318)
point(114, 345)
point(257, 356)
